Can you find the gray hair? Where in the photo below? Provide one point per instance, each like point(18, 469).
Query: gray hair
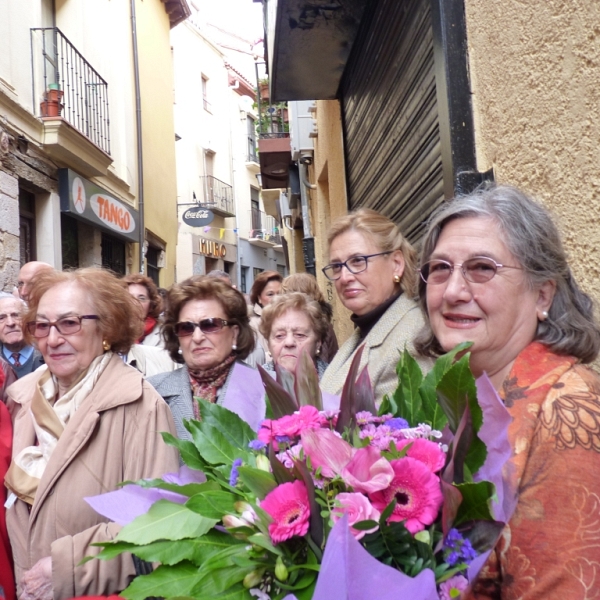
point(218, 274)
point(533, 239)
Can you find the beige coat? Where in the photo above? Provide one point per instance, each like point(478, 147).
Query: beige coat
point(394, 331)
point(113, 437)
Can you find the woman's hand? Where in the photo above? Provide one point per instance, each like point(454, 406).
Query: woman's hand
point(36, 584)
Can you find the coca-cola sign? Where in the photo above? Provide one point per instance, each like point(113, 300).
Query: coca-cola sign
point(198, 217)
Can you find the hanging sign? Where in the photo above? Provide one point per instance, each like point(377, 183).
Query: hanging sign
point(198, 217)
point(88, 202)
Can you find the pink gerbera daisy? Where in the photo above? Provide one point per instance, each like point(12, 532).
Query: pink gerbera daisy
point(417, 493)
point(289, 507)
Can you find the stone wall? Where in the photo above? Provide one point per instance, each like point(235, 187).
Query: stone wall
point(9, 231)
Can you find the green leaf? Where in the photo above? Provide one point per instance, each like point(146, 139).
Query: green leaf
point(235, 430)
point(441, 366)
point(213, 504)
point(264, 542)
point(113, 549)
point(476, 504)
point(196, 550)
point(259, 482)
point(364, 525)
point(213, 445)
point(189, 453)
point(164, 582)
point(455, 389)
point(165, 521)
point(407, 397)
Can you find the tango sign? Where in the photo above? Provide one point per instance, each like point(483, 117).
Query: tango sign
point(212, 249)
point(88, 202)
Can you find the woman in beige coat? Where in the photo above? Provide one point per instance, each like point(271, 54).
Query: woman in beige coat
point(82, 424)
point(373, 268)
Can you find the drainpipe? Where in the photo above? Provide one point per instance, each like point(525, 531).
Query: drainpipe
point(308, 242)
point(138, 124)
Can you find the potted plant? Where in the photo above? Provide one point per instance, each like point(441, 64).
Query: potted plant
point(52, 103)
point(263, 90)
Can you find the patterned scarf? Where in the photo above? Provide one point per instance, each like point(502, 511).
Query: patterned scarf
point(206, 383)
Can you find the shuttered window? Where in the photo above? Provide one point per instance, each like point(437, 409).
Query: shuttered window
point(391, 130)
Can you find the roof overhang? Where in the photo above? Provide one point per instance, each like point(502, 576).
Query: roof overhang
point(178, 11)
point(308, 45)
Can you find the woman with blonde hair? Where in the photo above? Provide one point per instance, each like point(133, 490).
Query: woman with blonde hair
point(307, 284)
point(372, 266)
point(83, 423)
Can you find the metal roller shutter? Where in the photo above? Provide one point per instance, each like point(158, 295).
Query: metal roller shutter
point(391, 128)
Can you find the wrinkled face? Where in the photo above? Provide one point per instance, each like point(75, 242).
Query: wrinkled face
point(11, 332)
point(201, 350)
point(68, 356)
point(27, 276)
point(291, 333)
point(362, 292)
point(140, 293)
point(269, 292)
point(499, 316)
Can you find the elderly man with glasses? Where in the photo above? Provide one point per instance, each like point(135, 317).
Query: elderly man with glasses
point(21, 357)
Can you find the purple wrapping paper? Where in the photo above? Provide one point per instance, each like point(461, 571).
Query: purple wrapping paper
point(245, 395)
point(125, 504)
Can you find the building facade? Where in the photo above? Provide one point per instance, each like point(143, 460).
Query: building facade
point(87, 149)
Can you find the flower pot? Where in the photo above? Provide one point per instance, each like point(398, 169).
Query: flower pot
point(263, 89)
point(53, 95)
point(50, 108)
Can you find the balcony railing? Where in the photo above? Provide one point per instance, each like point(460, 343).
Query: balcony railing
point(218, 195)
point(265, 231)
point(66, 85)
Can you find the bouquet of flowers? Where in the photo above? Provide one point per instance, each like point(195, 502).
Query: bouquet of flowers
point(411, 494)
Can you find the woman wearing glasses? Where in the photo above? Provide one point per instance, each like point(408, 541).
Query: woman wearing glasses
point(144, 290)
point(206, 329)
point(83, 423)
point(373, 269)
point(494, 272)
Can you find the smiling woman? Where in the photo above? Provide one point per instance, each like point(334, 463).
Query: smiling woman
point(373, 269)
point(83, 423)
point(494, 273)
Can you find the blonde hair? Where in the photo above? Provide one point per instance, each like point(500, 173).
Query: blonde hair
point(385, 234)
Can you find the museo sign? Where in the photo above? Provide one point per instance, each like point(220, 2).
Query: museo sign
point(198, 217)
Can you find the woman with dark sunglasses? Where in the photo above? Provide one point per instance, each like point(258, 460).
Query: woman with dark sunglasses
point(206, 328)
point(372, 267)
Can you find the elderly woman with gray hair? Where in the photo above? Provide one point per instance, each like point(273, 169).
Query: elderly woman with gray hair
point(494, 273)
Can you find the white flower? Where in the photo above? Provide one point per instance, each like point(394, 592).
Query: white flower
point(259, 594)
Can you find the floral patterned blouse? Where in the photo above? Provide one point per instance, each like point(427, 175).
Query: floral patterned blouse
point(551, 546)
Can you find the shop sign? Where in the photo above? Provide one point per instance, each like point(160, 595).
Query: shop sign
point(212, 248)
point(198, 217)
point(88, 202)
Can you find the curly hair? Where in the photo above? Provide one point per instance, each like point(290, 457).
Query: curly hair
point(295, 301)
point(260, 283)
point(118, 312)
point(207, 288)
point(307, 284)
point(156, 304)
point(385, 234)
point(533, 239)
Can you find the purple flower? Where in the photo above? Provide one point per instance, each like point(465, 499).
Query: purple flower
point(458, 549)
point(257, 445)
point(397, 423)
point(233, 477)
point(283, 439)
point(453, 588)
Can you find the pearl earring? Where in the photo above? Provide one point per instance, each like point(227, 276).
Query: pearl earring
point(180, 351)
point(545, 314)
point(233, 347)
point(396, 278)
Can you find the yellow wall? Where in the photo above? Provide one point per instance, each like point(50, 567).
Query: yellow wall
point(156, 82)
point(535, 70)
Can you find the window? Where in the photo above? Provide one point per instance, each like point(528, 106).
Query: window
point(69, 242)
point(281, 270)
point(252, 157)
point(255, 210)
point(152, 263)
point(243, 282)
point(26, 226)
point(205, 101)
point(113, 254)
point(256, 272)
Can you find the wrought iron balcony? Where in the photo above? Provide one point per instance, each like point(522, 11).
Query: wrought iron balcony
point(218, 196)
point(265, 232)
point(66, 85)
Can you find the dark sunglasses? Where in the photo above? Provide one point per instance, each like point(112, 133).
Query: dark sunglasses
point(212, 325)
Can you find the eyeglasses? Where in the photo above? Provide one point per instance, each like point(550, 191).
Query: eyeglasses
point(355, 264)
point(476, 270)
point(212, 325)
point(64, 326)
point(14, 316)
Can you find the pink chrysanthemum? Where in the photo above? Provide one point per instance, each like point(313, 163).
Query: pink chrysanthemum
point(429, 453)
point(453, 588)
point(417, 493)
point(289, 507)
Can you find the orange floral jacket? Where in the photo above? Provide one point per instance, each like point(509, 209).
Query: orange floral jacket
point(551, 546)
